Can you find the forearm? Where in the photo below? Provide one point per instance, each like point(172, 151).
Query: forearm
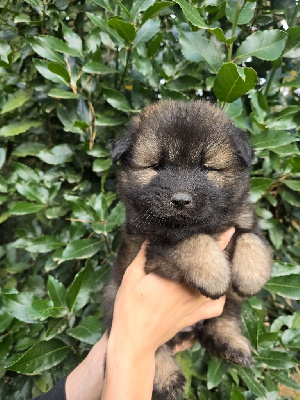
point(87, 380)
point(129, 373)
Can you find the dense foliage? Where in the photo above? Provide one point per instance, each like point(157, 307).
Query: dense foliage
point(72, 73)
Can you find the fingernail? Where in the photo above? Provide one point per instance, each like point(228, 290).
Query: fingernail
point(231, 232)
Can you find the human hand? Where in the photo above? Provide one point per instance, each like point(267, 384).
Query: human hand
point(150, 310)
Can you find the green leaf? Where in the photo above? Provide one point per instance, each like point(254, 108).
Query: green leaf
point(216, 369)
point(292, 48)
point(147, 31)
point(266, 45)
point(35, 3)
point(58, 45)
point(26, 173)
point(5, 321)
point(55, 327)
point(78, 294)
point(184, 361)
point(88, 331)
point(275, 359)
point(80, 208)
point(231, 82)
point(105, 4)
point(57, 291)
point(45, 51)
point(291, 197)
point(220, 35)
point(251, 324)
point(62, 94)
point(245, 15)
point(196, 47)
point(42, 67)
point(259, 186)
point(17, 305)
point(81, 248)
point(100, 206)
point(3, 185)
point(124, 29)
point(28, 149)
point(17, 100)
point(116, 99)
point(236, 394)
point(43, 381)
point(281, 268)
point(269, 139)
point(57, 155)
point(118, 215)
point(74, 41)
point(32, 191)
point(291, 339)
point(287, 286)
point(192, 14)
point(251, 381)
point(5, 347)
point(15, 128)
point(43, 244)
point(94, 67)
point(98, 21)
point(138, 6)
point(103, 120)
point(59, 70)
point(23, 208)
point(101, 165)
point(154, 9)
point(293, 184)
point(283, 377)
point(2, 156)
point(42, 309)
point(40, 357)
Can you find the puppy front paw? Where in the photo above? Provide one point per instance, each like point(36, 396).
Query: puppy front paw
point(223, 338)
point(205, 266)
point(251, 264)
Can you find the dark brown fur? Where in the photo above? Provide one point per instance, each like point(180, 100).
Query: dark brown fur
point(184, 179)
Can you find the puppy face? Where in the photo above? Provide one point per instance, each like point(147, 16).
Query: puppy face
point(183, 165)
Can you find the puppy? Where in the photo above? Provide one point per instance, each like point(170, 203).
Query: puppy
point(184, 179)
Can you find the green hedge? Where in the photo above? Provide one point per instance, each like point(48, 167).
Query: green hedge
point(72, 73)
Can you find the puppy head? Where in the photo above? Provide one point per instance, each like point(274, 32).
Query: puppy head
point(182, 165)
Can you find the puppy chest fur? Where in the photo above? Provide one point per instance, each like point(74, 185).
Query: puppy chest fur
point(184, 179)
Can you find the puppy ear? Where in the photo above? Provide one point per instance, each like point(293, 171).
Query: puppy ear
point(244, 148)
point(122, 147)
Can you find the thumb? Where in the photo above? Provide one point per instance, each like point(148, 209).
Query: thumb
point(137, 266)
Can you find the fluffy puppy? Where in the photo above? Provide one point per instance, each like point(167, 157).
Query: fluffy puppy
point(184, 179)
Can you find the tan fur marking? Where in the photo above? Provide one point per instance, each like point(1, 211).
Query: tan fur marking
point(251, 264)
point(165, 368)
point(245, 220)
point(204, 264)
point(144, 177)
point(228, 330)
point(146, 150)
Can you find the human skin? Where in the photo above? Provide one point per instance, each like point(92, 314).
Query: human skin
point(148, 312)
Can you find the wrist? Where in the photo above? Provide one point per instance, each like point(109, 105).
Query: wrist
point(127, 347)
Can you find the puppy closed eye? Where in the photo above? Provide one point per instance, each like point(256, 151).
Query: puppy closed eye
point(208, 168)
point(157, 166)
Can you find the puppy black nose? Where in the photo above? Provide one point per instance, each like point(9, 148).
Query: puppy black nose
point(181, 199)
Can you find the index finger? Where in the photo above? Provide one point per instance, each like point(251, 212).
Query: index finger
point(224, 239)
